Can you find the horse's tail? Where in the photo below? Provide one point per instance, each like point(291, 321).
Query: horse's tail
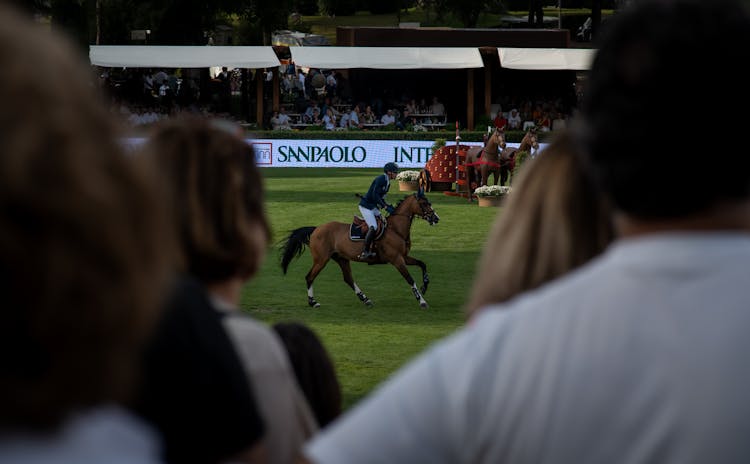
point(294, 245)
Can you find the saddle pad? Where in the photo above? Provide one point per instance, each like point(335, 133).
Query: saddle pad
point(357, 232)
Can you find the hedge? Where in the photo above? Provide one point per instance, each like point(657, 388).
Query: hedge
point(449, 136)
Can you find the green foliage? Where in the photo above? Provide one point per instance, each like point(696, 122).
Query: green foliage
point(521, 158)
point(439, 143)
point(367, 344)
point(482, 122)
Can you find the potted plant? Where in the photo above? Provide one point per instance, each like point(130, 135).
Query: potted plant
point(439, 143)
point(491, 195)
point(408, 180)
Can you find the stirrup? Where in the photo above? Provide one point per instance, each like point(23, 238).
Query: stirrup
point(366, 254)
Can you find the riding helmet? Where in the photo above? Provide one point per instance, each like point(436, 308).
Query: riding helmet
point(390, 167)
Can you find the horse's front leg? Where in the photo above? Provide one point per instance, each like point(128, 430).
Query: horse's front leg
point(401, 266)
point(411, 261)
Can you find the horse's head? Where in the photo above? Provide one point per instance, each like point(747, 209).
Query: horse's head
point(418, 205)
point(531, 139)
point(497, 138)
point(425, 208)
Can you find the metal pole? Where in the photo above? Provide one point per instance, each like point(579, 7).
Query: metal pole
point(458, 139)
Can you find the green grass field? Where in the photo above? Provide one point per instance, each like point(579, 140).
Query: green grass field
point(367, 344)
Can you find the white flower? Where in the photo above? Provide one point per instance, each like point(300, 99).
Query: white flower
point(491, 190)
point(408, 175)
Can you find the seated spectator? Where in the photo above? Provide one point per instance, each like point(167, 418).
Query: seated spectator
point(84, 260)
point(308, 115)
point(406, 120)
point(500, 121)
point(329, 120)
point(354, 122)
point(437, 107)
point(344, 121)
point(368, 117)
point(388, 118)
point(274, 121)
point(411, 106)
point(217, 196)
point(313, 368)
point(283, 120)
point(514, 120)
point(316, 117)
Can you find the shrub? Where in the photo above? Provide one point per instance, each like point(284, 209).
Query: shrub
point(439, 143)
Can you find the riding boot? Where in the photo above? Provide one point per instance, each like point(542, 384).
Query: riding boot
point(367, 252)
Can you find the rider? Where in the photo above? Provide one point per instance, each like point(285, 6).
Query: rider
point(371, 203)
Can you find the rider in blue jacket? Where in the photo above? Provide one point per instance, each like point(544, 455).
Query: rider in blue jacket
point(371, 203)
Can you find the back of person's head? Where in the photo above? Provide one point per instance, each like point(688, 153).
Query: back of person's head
point(314, 370)
point(82, 244)
point(552, 222)
point(668, 55)
point(217, 197)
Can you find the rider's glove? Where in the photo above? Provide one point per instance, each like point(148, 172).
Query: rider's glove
point(390, 209)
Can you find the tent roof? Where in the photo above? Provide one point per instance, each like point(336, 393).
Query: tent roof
point(387, 57)
point(157, 56)
point(578, 59)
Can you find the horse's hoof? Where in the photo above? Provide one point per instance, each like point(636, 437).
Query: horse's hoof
point(313, 303)
point(424, 305)
point(368, 302)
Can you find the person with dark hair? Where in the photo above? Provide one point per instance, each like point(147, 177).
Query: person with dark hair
point(313, 368)
point(216, 192)
point(84, 261)
point(638, 355)
point(372, 201)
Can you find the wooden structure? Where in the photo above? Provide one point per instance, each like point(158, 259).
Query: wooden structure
point(478, 84)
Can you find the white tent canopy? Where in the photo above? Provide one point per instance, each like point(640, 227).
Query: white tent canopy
point(202, 56)
point(578, 59)
point(387, 57)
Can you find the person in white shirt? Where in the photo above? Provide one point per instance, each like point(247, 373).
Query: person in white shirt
point(388, 118)
point(640, 354)
point(514, 120)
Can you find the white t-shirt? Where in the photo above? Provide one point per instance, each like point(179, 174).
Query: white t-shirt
point(639, 356)
point(104, 435)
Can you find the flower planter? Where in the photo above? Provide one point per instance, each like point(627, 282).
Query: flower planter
point(408, 185)
point(489, 201)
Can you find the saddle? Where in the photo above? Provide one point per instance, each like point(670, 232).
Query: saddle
point(358, 229)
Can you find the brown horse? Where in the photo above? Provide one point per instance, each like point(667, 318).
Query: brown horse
point(331, 241)
point(508, 155)
point(483, 161)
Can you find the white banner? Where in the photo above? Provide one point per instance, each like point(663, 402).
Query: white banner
point(295, 153)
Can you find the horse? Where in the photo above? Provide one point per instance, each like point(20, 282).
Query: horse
point(483, 161)
point(508, 155)
point(332, 241)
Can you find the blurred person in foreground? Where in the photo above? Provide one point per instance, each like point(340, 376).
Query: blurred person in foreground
point(216, 193)
point(84, 260)
point(554, 220)
point(639, 355)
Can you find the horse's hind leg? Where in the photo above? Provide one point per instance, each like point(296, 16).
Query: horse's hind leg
point(346, 270)
point(310, 277)
point(410, 261)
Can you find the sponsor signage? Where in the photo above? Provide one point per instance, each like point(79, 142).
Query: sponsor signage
point(295, 153)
